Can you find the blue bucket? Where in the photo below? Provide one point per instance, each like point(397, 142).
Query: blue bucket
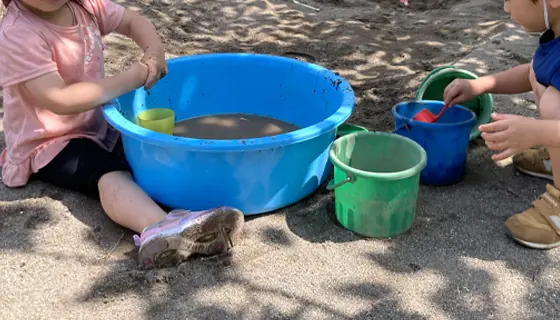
point(446, 141)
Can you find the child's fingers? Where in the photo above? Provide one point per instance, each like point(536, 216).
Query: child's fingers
point(456, 96)
point(154, 74)
point(450, 94)
point(493, 126)
point(454, 93)
point(152, 77)
point(503, 155)
point(458, 99)
point(501, 116)
point(495, 136)
point(496, 145)
point(150, 82)
point(446, 93)
point(452, 100)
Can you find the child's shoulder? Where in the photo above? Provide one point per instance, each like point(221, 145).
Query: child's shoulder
point(16, 25)
point(548, 54)
point(19, 39)
point(23, 48)
point(546, 63)
point(17, 36)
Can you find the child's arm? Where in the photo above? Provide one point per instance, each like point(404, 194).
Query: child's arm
point(512, 81)
point(50, 91)
point(511, 134)
point(142, 31)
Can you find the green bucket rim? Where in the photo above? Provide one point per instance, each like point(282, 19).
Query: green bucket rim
point(416, 169)
point(484, 116)
point(349, 128)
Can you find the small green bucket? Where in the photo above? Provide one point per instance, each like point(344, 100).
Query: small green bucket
point(347, 128)
point(433, 86)
point(376, 182)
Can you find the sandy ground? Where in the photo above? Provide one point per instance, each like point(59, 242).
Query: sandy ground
point(63, 259)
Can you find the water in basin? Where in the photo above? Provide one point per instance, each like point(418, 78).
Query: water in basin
point(231, 127)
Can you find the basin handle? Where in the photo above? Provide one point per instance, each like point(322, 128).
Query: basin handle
point(332, 185)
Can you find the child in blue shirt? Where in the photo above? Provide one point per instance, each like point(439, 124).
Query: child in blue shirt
point(511, 135)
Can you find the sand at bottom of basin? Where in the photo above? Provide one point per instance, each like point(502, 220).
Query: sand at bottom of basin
point(231, 127)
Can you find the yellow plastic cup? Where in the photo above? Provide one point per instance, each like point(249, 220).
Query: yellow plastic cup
point(159, 119)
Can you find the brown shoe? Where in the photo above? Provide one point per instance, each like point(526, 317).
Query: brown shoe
point(534, 162)
point(539, 226)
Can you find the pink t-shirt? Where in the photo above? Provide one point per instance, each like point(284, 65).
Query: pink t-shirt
point(30, 48)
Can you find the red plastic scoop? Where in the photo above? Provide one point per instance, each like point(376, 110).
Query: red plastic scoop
point(426, 115)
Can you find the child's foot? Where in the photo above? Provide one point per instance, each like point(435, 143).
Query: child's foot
point(184, 233)
point(539, 226)
point(534, 162)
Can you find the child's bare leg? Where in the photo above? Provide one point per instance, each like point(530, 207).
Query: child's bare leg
point(162, 238)
point(166, 240)
point(538, 227)
point(549, 109)
point(534, 162)
point(126, 204)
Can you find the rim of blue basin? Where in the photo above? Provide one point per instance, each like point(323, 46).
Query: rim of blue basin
point(434, 125)
point(128, 128)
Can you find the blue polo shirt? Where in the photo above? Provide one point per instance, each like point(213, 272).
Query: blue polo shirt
point(546, 60)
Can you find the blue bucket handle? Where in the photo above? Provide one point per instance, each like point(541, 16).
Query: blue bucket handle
point(404, 126)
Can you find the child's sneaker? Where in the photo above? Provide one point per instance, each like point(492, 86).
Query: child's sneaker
point(539, 226)
point(534, 162)
point(184, 233)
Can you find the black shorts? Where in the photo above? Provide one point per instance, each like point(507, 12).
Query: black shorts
point(81, 164)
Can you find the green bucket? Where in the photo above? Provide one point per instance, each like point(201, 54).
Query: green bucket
point(376, 182)
point(347, 128)
point(433, 86)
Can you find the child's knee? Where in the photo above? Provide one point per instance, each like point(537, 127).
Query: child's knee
point(549, 111)
point(549, 104)
point(545, 111)
point(112, 178)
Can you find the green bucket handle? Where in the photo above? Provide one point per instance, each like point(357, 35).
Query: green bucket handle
point(349, 178)
point(343, 130)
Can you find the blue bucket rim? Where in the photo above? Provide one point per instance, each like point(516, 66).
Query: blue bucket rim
point(128, 128)
point(470, 122)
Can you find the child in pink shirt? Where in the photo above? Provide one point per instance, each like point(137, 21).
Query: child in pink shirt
point(52, 74)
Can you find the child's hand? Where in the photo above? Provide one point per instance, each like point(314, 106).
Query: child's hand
point(144, 33)
point(140, 72)
point(461, 90)
point(157, 67)
point(509, 134)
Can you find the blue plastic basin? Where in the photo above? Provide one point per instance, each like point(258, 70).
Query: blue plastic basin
point(446, 141)
point(255, 175)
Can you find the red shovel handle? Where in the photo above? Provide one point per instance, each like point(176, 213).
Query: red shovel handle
point(442, 110)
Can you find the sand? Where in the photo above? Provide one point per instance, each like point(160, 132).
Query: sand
point(63, 259)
